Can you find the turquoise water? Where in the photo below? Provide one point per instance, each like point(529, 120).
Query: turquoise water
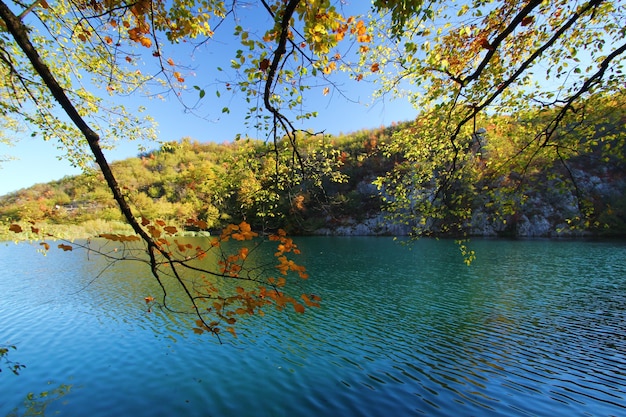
point(532, 328)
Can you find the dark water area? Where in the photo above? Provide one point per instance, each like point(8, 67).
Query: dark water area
point(531, 328)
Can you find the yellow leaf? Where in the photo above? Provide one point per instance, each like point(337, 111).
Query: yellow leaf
point(145, 41)
point(326, 91)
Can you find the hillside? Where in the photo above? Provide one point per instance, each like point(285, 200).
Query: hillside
point(327, 188)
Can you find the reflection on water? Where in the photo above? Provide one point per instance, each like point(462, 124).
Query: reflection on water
point(531, 328)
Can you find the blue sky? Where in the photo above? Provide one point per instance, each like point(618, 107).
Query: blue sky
point(35, 161)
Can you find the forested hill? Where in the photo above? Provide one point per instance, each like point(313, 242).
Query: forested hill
point(327, 186)
point(223, 183)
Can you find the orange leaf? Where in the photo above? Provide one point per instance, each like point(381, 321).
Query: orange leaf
point(170, 229)
point(326, 91)
point(484, 43)
point(170, 61)
point(154, 232)
point(308, 301)
point(145, 42)
point(65, 247)
point(298, 307)
point(144, 221)
point(16, 228)
point(149, 299)
point(45, 245)
point(375, 67)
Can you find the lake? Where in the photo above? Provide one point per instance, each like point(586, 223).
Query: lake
point(531, 328)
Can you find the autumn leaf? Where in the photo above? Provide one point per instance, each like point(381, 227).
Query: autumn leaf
point(154, 232)
point(375, 67)
point(170, 229)
point(65, 247)
point(528, 20)
point(170, 61)
point(45, 245)
point(145, 41)
point(245, 232)
point(149, 299)
point(309, 302)
point(326, 91)
point(298, 307)
point(16, 228)
point(484, 43)
point(264, 64)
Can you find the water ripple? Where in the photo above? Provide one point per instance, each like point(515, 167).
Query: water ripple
point(400, 333)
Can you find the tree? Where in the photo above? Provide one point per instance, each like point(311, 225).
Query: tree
point(466, 64)
point(86, 26)
point(461, 65)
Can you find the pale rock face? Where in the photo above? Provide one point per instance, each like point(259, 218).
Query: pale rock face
point(543, 214)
